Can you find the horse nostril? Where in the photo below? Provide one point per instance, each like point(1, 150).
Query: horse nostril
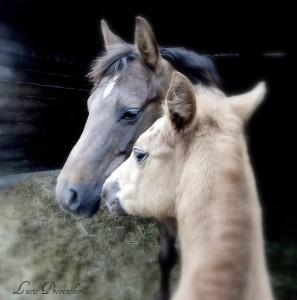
point(71, 200)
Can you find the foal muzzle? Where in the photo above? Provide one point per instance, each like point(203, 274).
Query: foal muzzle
point(110, 192)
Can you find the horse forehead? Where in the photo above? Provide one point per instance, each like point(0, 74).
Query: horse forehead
point(109, 86)
point(97, 98)
point(133, 85)
point(117, 88)
point(138, 69)
point(129, 86)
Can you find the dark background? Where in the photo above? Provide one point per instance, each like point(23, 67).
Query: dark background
point(227, 27)
point(249, 42)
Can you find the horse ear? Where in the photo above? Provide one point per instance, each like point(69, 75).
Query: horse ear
point(244, 105)
point(110, 39)
point(146, 43)
point(181, 101)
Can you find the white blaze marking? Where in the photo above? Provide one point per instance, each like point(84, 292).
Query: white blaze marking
point(77, 150)
point(109, 87)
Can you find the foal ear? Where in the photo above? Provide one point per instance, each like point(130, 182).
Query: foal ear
point(181, 101)
point(110, 39)
point(244, 105)
point(146, 43)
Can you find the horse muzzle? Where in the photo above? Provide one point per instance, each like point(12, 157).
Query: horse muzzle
point(80, 200)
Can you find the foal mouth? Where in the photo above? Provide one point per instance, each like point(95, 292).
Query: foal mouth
point(115, 208)
point(110, 196)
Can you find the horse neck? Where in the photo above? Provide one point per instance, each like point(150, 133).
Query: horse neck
point(219, 221)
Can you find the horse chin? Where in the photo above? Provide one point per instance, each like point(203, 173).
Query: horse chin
point(84, 211)
point(94, 209)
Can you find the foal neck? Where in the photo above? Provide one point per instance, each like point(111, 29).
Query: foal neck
point(219, 221)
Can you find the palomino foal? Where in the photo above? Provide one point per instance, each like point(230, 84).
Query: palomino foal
point(192, 166)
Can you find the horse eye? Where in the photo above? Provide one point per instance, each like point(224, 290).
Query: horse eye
point(131, 114)
point(139, 155)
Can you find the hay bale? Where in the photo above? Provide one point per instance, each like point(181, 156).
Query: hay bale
point(109, 257)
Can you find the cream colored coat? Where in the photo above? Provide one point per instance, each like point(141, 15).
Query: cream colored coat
point(192, 166)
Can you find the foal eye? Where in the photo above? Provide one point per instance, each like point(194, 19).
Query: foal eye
point(139, 155)
point(131, 114)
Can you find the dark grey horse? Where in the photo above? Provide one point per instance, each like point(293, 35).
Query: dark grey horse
point(130, 83)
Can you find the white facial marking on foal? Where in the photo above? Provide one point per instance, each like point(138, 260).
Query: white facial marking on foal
point(109, 87)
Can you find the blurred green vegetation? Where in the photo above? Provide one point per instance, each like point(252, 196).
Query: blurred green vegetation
point(111, 258)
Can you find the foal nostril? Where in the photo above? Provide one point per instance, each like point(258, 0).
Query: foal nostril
point(71, 200)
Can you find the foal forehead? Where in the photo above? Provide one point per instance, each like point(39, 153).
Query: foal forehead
point(154, 135)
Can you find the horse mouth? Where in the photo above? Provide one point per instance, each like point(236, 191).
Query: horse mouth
point(83, 210)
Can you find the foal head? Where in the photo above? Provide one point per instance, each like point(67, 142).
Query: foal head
point(130, 82)
point(200, 126)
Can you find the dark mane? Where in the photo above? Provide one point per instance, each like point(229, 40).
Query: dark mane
point(198, 68)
